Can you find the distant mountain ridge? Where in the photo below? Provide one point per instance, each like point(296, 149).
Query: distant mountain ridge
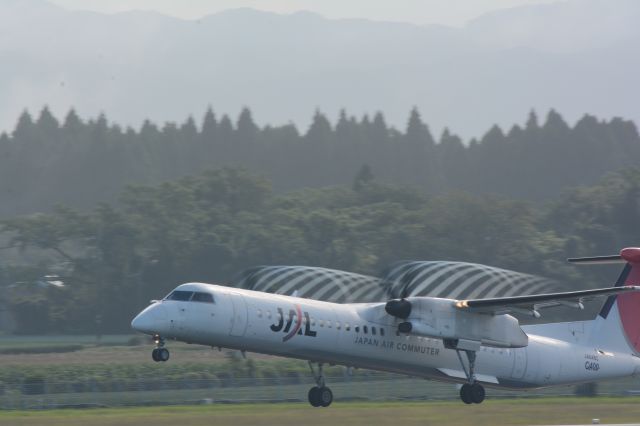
point(564, 26)
point(577, 56)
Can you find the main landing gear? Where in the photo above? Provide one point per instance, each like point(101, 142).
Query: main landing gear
point(472, 392)
point(320, 395)
point(160, 353)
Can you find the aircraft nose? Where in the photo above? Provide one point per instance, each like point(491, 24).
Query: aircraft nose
point(151, 320)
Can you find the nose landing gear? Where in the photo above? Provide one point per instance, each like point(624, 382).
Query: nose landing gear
point(160, 353)
point(320, 395)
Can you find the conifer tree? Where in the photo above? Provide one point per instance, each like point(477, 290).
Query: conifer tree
point(378, 131)
point(246, 130)
point(555, 123)
point(47, 123)
point(72, 123)
point(189, 131)
point(209, 126)
point(417, 132)
point(532, 121)
point(320, 130)
point(453, 161)
point(25, 128)
point(225, 129)
point(343, 132)
point(420, 164)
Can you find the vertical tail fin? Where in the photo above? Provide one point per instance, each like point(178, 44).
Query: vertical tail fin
point(618, 323)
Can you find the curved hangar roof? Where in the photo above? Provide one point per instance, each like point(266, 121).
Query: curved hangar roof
point(413, 278)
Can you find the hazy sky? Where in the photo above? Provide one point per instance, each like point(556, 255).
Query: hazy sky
point(445, 12)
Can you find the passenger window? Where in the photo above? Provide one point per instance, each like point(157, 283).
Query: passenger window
point(373, 331)
point(329, 324)
point(181, 296)
point(357, 329)
point(321, 323)
point(382, 331)
point(202, 297)
point(365, 329)
point(259, 313)
point(347, 327)
point(338, 325)
point(269, 314)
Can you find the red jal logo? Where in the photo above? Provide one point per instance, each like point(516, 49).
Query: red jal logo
point(297, 328)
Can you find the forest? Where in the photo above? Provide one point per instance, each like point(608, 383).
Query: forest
point(44, 162)
point(118, 217)
point(209, 227)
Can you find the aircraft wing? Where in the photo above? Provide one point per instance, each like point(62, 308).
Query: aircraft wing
point(531, 304)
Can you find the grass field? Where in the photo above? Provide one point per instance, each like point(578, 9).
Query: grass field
point(28, 341)
point(89, 376)
point(501, 412)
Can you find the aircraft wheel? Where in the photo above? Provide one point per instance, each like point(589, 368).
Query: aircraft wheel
point(163, 354)
point(314, 396)
point(465, 394)
point(477, 393)
point(154, 355)
point(326, 397)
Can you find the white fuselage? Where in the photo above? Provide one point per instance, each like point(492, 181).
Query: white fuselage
point(357, 335)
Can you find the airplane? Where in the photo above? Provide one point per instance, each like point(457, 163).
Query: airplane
point(475, 343)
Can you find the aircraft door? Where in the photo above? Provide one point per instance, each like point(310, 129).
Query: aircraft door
point(239, 318)
point(519, 363)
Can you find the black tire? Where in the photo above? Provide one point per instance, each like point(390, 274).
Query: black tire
point(154, 355)
point(314, 396)
point(465, 393)
point(477, 393)
point(325, 397)
point(163, 354)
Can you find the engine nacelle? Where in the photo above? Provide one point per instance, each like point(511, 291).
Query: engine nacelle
point(440, 319)
point(399, 308)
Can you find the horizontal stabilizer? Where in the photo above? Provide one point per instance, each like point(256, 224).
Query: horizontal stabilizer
point(597, 260)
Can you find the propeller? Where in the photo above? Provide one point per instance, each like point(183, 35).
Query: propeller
point(400, 308)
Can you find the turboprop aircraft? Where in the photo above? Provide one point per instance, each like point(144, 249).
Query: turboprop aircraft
point(476, 343)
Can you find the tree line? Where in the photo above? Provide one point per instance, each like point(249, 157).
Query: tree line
point(76, 162)
point(210, 226)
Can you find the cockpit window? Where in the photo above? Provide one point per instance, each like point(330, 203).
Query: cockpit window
point(202, 297)
point(180, 295)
